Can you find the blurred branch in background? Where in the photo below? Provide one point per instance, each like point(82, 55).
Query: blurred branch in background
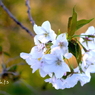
point(9, 72)
point(29, 13)
point(15, 20)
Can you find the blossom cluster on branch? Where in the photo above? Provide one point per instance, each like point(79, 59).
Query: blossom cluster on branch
point(52, 52)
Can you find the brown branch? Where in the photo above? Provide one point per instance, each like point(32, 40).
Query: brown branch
point(14, 19)
point(29, 12)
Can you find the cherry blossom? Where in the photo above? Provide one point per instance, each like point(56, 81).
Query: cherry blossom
point(88, 38)
point(51, 51)
point(44, 33)
point(61, 43)
point(55, 64)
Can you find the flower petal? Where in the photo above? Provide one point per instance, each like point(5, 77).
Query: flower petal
point(38, 29)
point(46, 26)
point(24, 55)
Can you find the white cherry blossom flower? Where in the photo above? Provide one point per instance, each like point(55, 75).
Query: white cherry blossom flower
point(65, 53)
point(70, 81)
point(44, 33)
point(61, 83)
point(34, 58)
point(88, 63)
point(34, 63)
point(83, 77)
point(49, 58)
point(36, 52)
point(88, 38)
point(55, 64)
point(61, 44)
point(56, 82)
point(31, 61)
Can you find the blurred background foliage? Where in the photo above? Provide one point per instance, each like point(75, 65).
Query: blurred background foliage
point(14, 40)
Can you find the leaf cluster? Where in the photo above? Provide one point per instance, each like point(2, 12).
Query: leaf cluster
point(73, 26)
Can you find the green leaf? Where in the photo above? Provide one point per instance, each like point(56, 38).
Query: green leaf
point(72, 24)
point(75, 49)
point(82, 22)
point(6, 53)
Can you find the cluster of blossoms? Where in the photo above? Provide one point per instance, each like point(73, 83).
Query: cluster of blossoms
point(51, 54)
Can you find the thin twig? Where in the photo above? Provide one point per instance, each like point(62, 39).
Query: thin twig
point(14, 19)
point(29, 13)
point(12, 59)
